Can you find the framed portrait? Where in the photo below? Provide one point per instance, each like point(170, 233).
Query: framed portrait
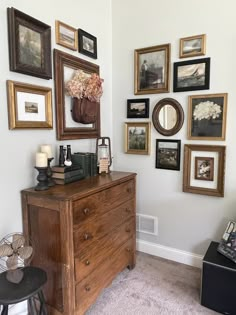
point(204, 168)
point(207, 116)
point(66, 35)
point(29, 45)
point(29, 106)
point(87, 44)
point(168, 154)
point(192, 75)
point(138, 108)
point(137, 138)
point(151, 69)
point(227, 245)
point(192, 46)
point(64, 67)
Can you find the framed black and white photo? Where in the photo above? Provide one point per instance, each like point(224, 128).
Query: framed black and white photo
point(192, 46)
point(152, 65)
point(207, 116)
point(138, 108)
point(168, 154)
point(204, 168)
point(227, 245)
point(87, 44)
point(29, 45)
point(137, 137)
point(192, 75)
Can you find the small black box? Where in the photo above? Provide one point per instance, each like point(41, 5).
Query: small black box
point(218, 282)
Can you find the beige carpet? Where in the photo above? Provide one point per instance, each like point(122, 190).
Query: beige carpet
point(155, 286)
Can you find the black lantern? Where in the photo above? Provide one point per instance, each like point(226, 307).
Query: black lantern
point(103, 150)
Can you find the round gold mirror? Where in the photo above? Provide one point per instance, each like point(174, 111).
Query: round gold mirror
point(168, 116)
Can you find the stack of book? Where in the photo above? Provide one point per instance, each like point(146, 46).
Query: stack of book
point(87, 161)
point(67, 174)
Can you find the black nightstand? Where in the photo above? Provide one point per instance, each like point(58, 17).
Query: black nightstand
point(218, 282)
point(29, 288)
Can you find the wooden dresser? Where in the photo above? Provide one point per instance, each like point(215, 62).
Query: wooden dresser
point(83, 235)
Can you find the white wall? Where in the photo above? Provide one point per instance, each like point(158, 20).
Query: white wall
point(17, 158)
point(186, 221)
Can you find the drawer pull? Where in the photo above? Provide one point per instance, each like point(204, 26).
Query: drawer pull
point(87, 236)
point(127, 230)
point(128, 250)
point(87, 288)
point(129, 190)
point(127, 210)
point(86, 211)
point(87, 262)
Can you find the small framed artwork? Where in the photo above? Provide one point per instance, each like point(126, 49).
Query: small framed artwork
point(137, 138)
point(192, 75)
point(66, 35)
point(207, 117)
point(29, 106)
point(192, 46)
point(152, 66)
point(204, 168)
point(138, 108)
point(227, 245)
point(29, 45)
point(87, 44)
point(168, 154)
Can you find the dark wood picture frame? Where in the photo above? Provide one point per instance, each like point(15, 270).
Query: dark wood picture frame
point(161, 106)
point(64, 63)
point(32, 55)
point(215, 187)
point(168, 154)
point(138, 108)
point(192, 75)
point(204, 168)
point(87, 44)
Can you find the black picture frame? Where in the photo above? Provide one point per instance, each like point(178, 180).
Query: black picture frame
point(192, 75)
point(227, 245)
point(138, 108)
point(29, 45)
point(168, 154)
point(87, 44)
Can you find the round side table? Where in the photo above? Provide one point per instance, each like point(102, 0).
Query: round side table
point(29, 289)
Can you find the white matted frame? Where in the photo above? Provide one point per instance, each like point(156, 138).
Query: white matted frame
point(214, 187)
point(29, 106)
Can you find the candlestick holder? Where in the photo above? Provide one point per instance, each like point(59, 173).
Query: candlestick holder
point(42, 178)
point(49, 173)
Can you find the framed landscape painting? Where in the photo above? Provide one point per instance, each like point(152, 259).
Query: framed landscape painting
point(138, 108)
point(192, 75)
point(192, 46)
point(207, 116)
point(152, 66)
point(168, 154)
point(137, 138)
point(204, 169)
point(29, 45)
point(87, 44)
point(66, 35)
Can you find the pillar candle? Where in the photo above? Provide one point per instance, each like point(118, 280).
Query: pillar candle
point(47, 148)
point(41, 159)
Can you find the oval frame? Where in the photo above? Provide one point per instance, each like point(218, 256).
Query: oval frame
point(179, 113)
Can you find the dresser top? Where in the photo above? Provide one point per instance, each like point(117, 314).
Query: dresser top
point(82, 187)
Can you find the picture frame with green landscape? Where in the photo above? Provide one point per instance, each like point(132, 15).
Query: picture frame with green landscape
point(137, 137)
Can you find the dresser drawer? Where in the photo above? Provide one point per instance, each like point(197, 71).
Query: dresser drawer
point(89, 258)
point(95, 229)
point(96, 204)
point(89, 288)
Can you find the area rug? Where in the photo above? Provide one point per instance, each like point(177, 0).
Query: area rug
point(155, 286)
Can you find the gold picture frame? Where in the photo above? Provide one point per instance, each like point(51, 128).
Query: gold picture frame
point(29, 106)
point(215, 155)
point(192, 46)
point(66, 35)
point(137, 137)
point(151, 69)
point(207, 116)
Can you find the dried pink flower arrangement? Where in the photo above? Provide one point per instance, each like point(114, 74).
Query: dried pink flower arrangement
point(83, 85)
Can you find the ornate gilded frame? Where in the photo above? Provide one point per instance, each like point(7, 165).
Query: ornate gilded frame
point(196, 46)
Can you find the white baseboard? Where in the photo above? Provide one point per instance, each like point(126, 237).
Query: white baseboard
point(169, 253)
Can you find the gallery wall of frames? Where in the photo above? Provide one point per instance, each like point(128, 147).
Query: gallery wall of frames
point(203, 165)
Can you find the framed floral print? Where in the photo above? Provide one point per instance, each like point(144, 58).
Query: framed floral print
point(152, 66)
point(204, 169)
point(207, 116)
